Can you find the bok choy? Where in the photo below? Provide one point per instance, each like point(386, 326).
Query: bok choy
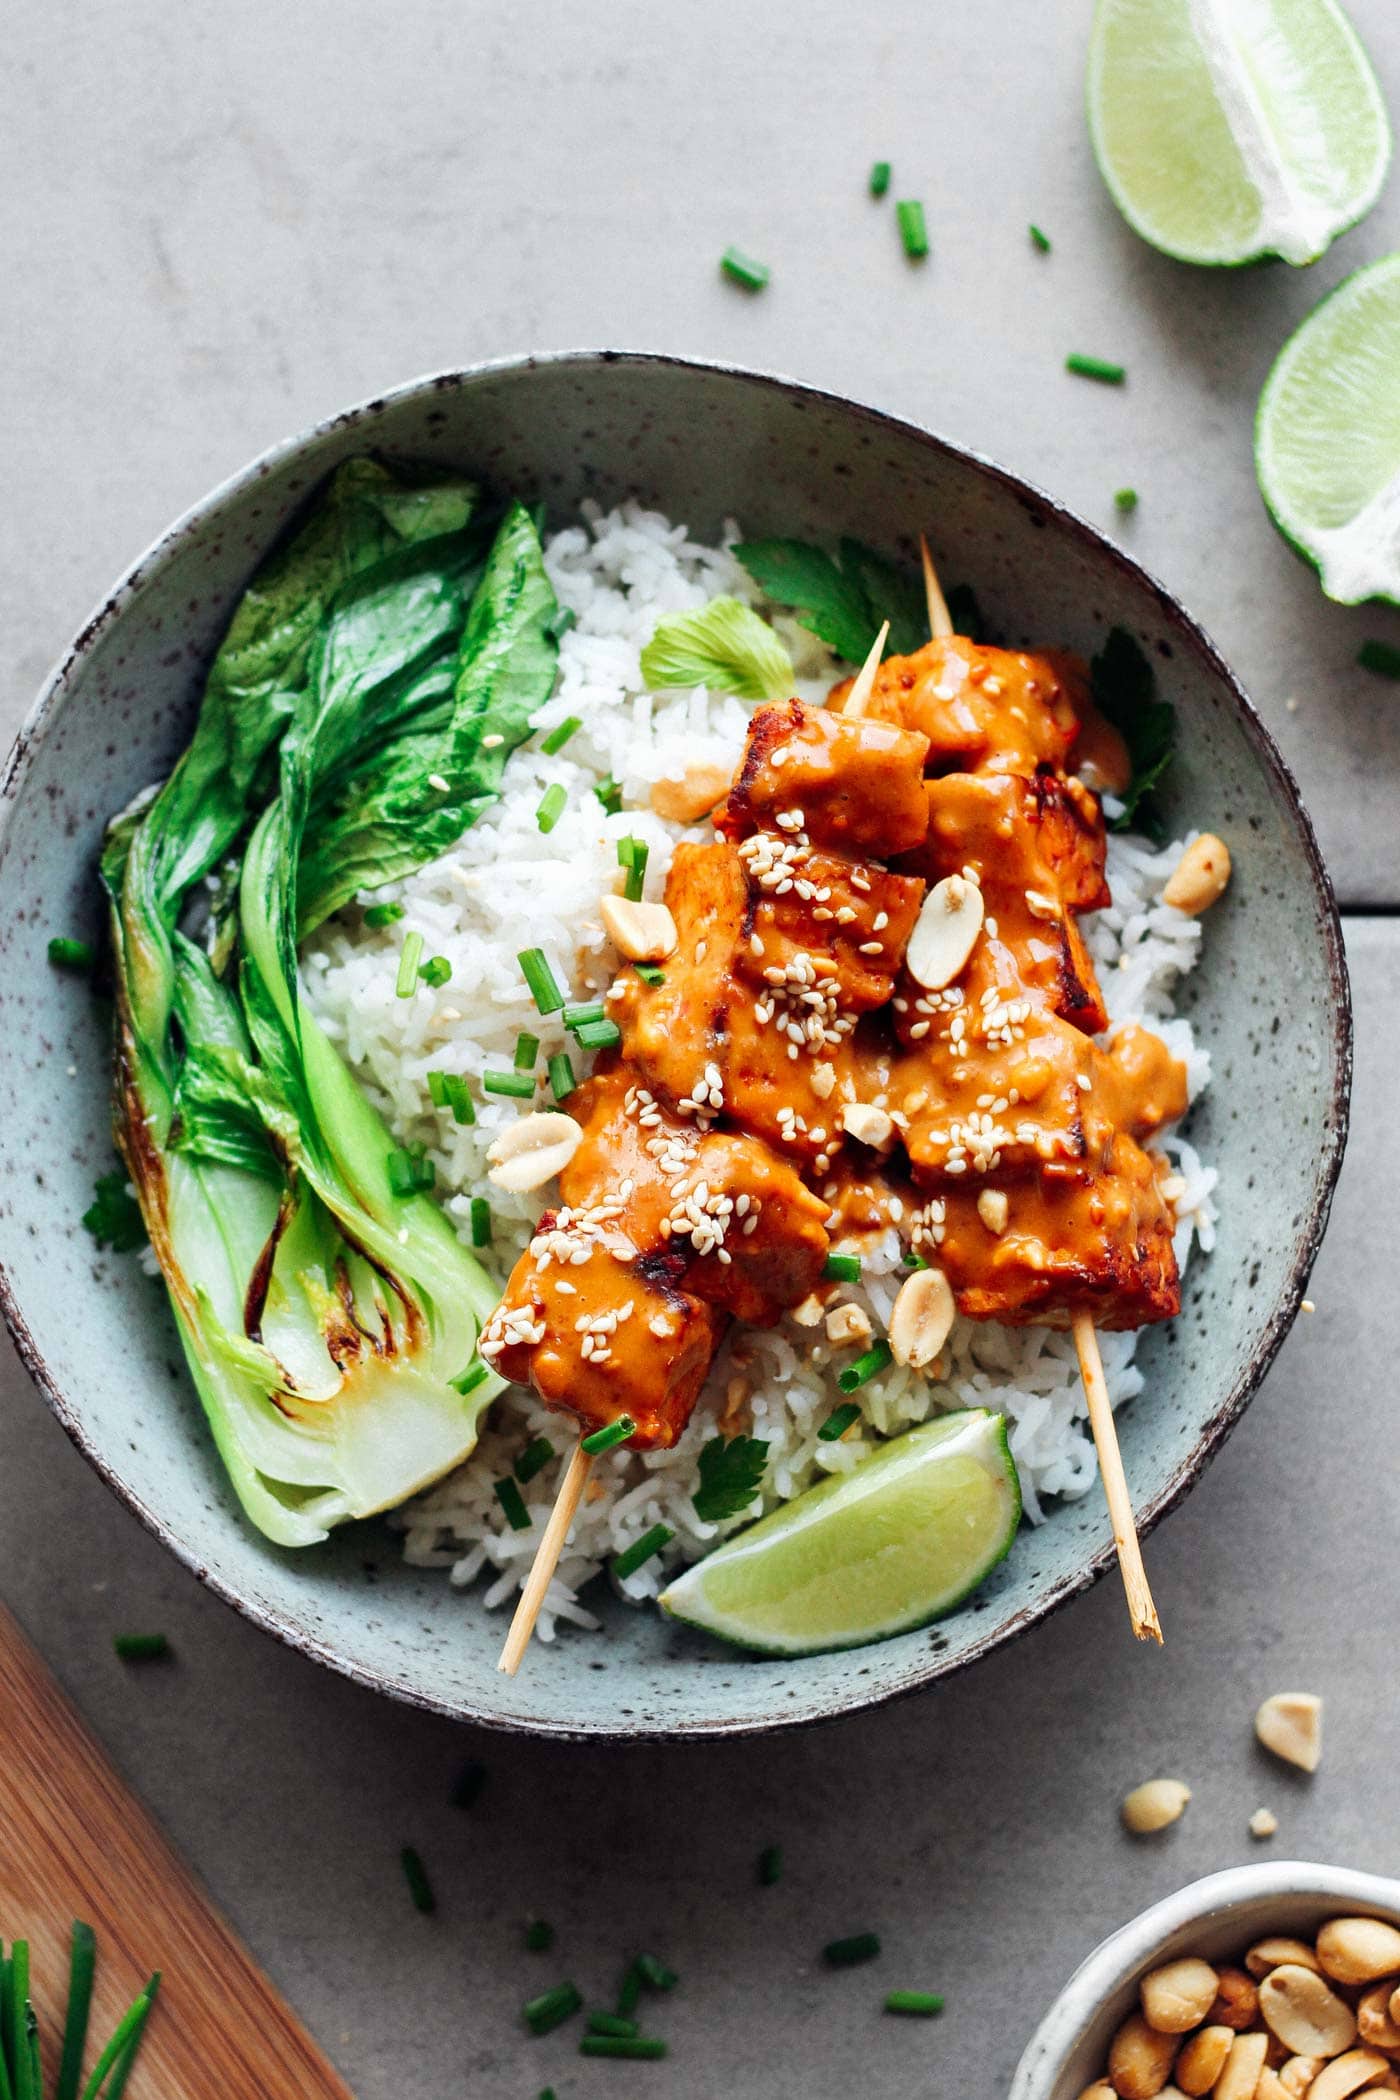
point(328, 1321)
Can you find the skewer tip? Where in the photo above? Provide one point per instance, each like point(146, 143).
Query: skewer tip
point(940, 620)
point(859, 695)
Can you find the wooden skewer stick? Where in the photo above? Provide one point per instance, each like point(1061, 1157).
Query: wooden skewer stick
point(940, 620)
point(1141, 1610)
point(860, 691)
point(546, 1561)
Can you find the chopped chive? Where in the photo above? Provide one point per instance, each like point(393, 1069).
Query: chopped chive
point(416, 1875)
point(481, 1222)
point(1125, 499)
point(655, 1974)
point(770, 1866)
point(543, 984)
point(66, 954)
point(380, 915)
point(1381, 657)
point(519, 1085)
point(113, 2067)
point(551, 807)
point(879, 177)
point(561, 1075)
point(467, 1786)
point(923, 2004)
point(912, 229)
point(560, 621)
point(598, 1035)
point(633, 854)
point(609, 793)
point(614, 2024)
point(437, 1089)
point(649, 973)
point(513, 1503)
point(547, 2093)
point(575, 1014)
point(650, 2047)
point(913, 1260)
point(527, 1049)
point(449, 1090)
point(742, 269)
point(141, 1647)
point(641, 1550)
point(629, 1991)
point(611, 1433)
point(539, 1937)
point(436, 971)
point(475, 1374)
point(82, 1963)
point(1038, 239)
point(838, 1422)
point(541, 2015)
point(533, 1459)
point(406, 983)
point(843, 1268)
point(1096, 368)
point(402, 1179)
point(844, 1954)
point(559, 736)
point(865, 1367)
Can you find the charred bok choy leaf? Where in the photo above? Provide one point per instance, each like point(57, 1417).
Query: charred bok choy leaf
point(327, 1320)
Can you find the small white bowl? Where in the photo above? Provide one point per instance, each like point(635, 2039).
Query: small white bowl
point(1219, 1916)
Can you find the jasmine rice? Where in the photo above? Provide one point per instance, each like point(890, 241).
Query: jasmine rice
point(509, 885)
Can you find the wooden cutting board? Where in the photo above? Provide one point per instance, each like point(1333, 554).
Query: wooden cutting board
point(76, 1843)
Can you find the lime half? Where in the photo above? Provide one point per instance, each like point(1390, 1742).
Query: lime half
point(865, 1554)
point(1327, 437)
point(1231, 129)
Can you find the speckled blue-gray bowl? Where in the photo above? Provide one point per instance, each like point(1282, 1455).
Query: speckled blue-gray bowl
point(1270, 999)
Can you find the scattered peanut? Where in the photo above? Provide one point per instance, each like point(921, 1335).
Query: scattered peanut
point(693, 796)
point(1375, 2018)
point(1263, 1823)
point(848, 1323)
point(1305, 2013)
point(1200, 875)
point(1203, 2058)
point(994, 1208)
point(1139, 2059)
point(1154, 1804)
point(532, 1151)
point(921, 1318)
point(1178, 1996)
point(1237, 2002)
point(1243, 2065)
point(1347, 2074)
point(1358, 1950)
point(642, 932)
point(1271, 1953)
point(867, 1125)
point(1290, 1724)
point(945, 932)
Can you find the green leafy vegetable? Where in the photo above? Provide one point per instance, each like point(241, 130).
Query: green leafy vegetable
point(731, 1471)
point(1124, 691)
point(725, 646)
point(329, 1322)
point(114, 1216)
point(843, 604)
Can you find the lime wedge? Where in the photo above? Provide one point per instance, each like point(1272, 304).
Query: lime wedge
point(1327, 437)
point(1231, 129)
point(866, 1554)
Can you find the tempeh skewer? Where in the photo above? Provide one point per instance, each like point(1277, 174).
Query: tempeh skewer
point(1142, 1612)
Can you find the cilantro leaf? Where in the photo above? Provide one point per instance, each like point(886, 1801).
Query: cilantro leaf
point(891, 593)
point(1124, 690)
point(831, 605)
point(725, 646)
point(114, 1219)
point(731, 1470)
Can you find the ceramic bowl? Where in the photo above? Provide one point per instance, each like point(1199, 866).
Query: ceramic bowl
point(706, 443)
point(1217, 1918)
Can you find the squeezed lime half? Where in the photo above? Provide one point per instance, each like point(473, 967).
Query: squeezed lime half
point(1327, 437)
point(866, 1554)
point(1231, 129)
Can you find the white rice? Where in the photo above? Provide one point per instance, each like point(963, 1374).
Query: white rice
point(508, 886)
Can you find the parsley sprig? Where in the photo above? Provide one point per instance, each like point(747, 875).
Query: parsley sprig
point(114, 1216)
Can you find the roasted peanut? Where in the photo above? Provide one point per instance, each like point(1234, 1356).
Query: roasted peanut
point(945, 932)
point(1099, 2090)
point(1242, 2068)
point(1237, 2001)
point(1200, 876)
point(1290, 1724)
point(1298, 2074)
point(1348, 2073)
point(531, 1152)
point(1358, 1950)
point(1375, 2018)
point(1271, 2086)
point(921, 1318)
point(1178, 1996)
point(1154, 1804)
point(1301, 2008)
point(642, 932)
point(693, 796)
point(1202, 2059)
point(1269, 1954)
point(868, 1125)
point(1139, 2059)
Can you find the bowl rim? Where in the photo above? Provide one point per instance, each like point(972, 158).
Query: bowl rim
point(1103, 1971)
point(933, 1665)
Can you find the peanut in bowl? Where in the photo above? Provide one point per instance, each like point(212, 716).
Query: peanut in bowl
point(1128, 2025)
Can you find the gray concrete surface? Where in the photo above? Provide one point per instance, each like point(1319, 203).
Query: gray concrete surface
point(225, 223)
